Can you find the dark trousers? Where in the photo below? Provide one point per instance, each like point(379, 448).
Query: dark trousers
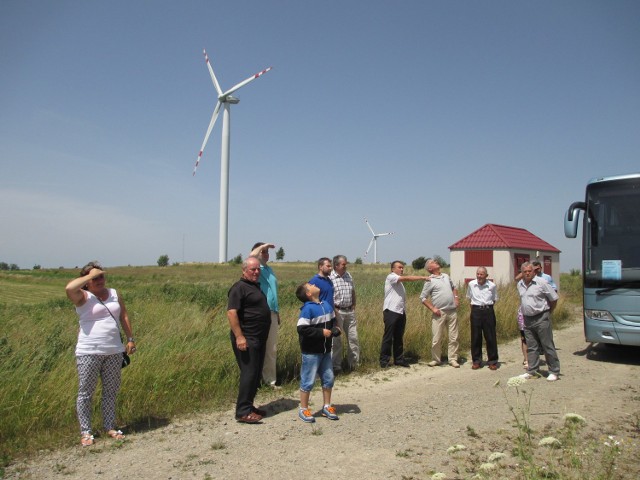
point(483, 323)
point(250, 362)
point(392, 339)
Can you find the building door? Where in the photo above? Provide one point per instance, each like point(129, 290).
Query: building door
point(546, 265)
point(519, 259)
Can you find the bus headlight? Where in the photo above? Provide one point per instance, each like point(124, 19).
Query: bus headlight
point(602, 315)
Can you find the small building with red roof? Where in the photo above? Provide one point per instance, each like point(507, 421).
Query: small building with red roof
point(502, 250)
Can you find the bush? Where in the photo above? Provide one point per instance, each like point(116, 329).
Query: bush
point(163, 260)
point(418, 263)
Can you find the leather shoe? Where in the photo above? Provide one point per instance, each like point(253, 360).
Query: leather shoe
point(476, 366)
point(493, 366)
point(259, 411)
point(402, 364)
point(250, 418)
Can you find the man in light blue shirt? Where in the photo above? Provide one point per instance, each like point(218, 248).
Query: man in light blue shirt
point(537, 267)
point(269, 286)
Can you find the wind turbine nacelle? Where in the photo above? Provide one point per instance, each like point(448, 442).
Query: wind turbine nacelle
point(230, 99)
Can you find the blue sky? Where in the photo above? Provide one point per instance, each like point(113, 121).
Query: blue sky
point(430, 118)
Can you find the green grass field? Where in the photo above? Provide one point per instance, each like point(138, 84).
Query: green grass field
point(184, 361)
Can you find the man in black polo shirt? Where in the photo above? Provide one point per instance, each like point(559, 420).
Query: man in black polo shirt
point(249, 319)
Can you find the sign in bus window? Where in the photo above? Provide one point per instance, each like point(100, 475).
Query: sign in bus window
point(611, 269)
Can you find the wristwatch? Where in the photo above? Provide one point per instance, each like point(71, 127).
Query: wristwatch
point(131, 339)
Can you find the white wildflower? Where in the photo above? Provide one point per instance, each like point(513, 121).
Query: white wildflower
point(614, 442)
point(487, 467)
point(550, 442)
point(496, 456)
point(516, 382)
point(456, 448)
point(438, 476)
point(574, 418)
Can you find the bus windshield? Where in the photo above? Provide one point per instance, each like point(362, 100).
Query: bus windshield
point(612, 235)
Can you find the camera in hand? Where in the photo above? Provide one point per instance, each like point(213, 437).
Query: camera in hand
point(335, 332)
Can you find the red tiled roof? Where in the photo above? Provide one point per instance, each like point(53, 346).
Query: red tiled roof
point(500, 236)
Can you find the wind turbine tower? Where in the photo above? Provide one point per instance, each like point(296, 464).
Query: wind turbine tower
point(374, 242)
point(225, 99)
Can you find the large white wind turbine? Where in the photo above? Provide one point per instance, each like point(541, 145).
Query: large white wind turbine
point(226, 99)
point(374, 242)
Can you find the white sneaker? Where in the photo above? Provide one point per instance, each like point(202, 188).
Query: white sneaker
point(552, 377)
point(433, 363)
point(454, 364)
point(527, 376)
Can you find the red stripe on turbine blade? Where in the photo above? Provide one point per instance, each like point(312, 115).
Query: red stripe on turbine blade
point(262, 72)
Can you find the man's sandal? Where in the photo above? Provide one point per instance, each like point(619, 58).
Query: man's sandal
point(116, 434)
point(86, 440)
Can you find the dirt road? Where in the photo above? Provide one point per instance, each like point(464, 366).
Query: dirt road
point(394, 424)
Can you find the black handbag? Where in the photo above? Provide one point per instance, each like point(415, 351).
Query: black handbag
point(125, 359)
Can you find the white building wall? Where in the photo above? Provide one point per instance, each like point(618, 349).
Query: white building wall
point(503, 269)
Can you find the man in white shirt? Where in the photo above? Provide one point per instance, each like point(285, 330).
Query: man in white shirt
point(394, 315)
point(483, 295)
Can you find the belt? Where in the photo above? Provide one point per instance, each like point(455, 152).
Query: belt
point(344, 309)
point(482, 307)
point(536, 314)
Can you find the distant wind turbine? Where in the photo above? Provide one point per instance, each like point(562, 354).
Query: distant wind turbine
point(374, 242)
point(226, 99)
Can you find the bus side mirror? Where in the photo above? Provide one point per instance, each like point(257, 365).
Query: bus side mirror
point(571, 218)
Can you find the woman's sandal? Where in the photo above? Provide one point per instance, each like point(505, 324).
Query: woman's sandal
point(86, 440)
point(116, 434)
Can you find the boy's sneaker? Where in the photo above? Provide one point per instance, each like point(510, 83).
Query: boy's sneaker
point(528, 376)
point(329, 412)
point(552, 377)
point(305, 415)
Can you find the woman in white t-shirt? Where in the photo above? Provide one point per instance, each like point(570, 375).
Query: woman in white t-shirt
point(99, 349)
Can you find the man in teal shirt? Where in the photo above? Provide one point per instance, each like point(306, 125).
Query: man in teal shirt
point(269, 286)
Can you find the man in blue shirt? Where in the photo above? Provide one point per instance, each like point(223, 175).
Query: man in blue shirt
point(323, 282)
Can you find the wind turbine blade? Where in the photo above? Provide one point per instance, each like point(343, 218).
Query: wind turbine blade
point(214, 117)
point(369, 247)
point(383, 234)
point(244, 82)
point(213, 75)
point(372, 232)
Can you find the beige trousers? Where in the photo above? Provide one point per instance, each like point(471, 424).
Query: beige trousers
point(269, 367)
point(447, 321)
